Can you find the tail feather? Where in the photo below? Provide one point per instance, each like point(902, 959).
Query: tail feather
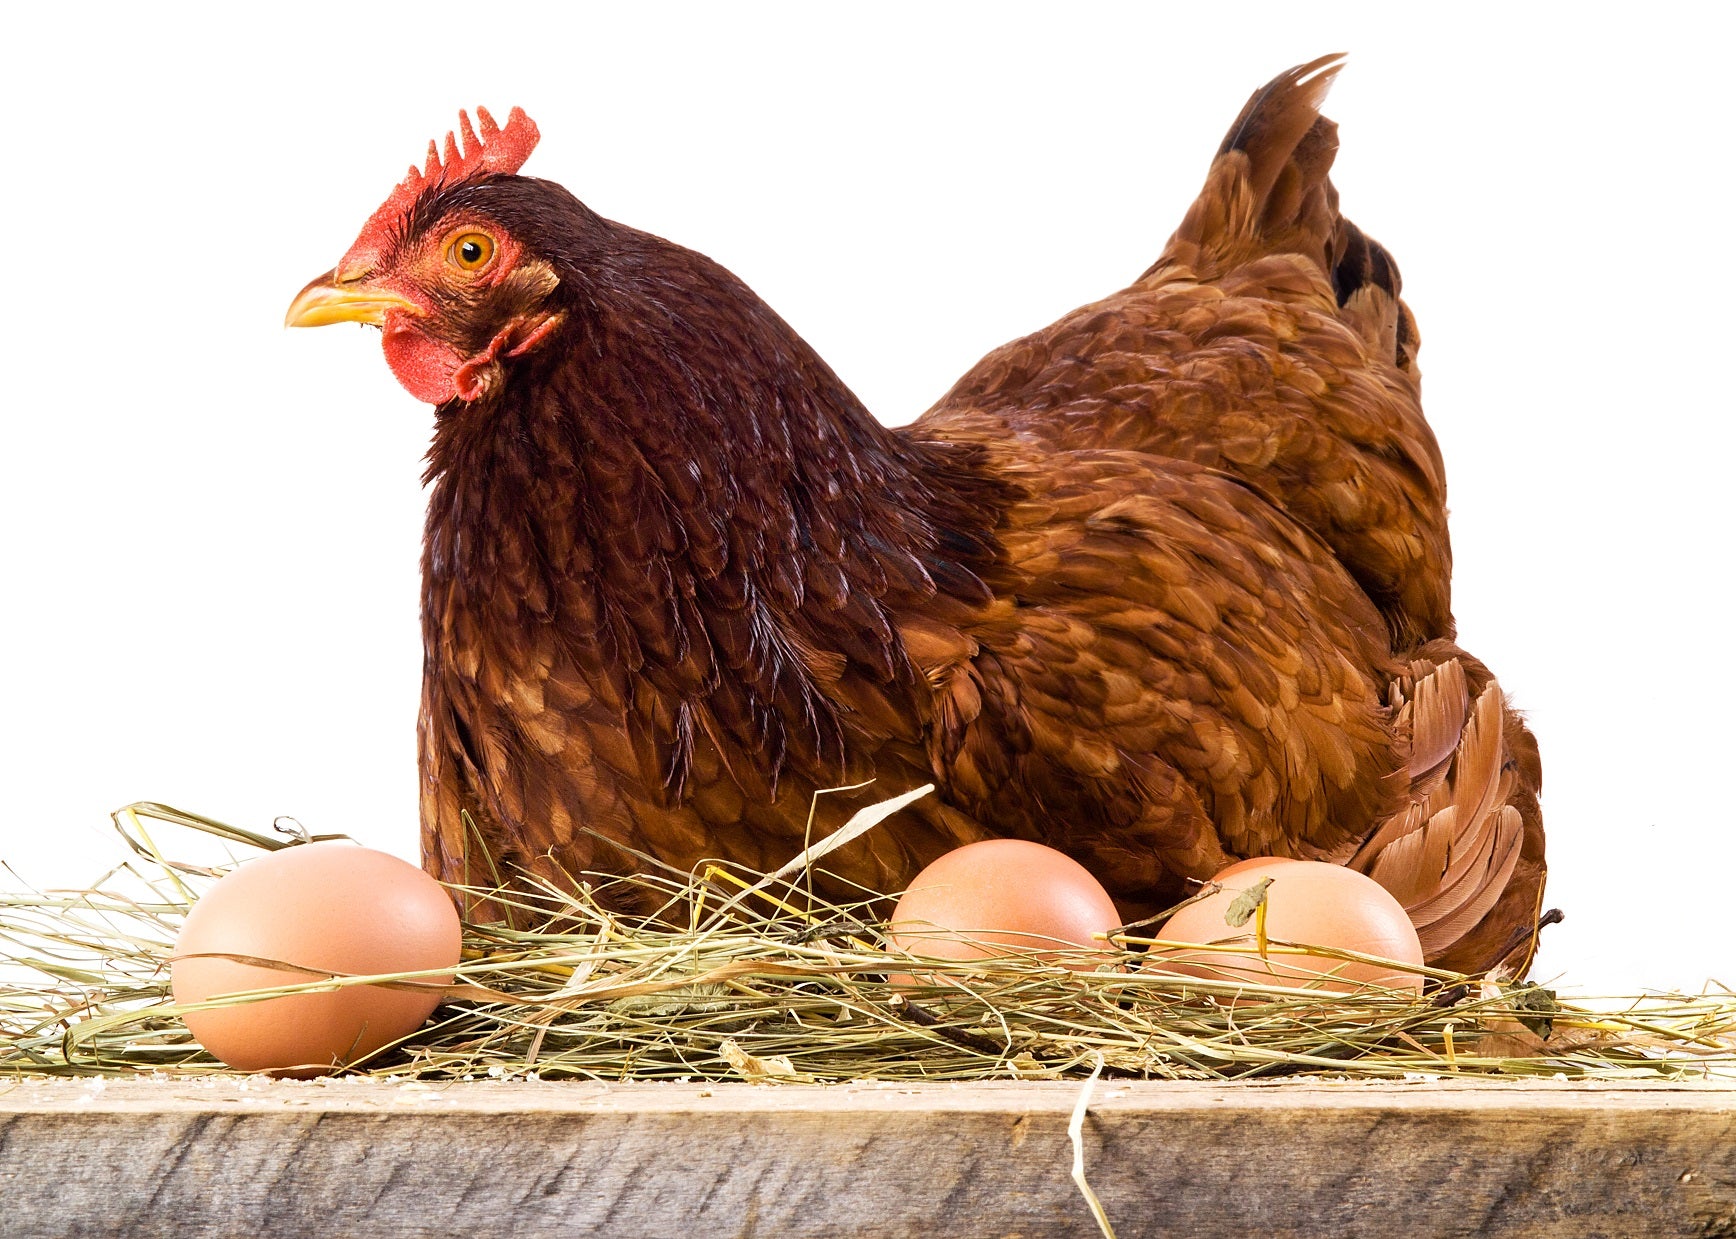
point(1366, 281)
point(1434, 717)
point(1470, 889)
point(1465, 855)
point(1269, 191)
point(1277, 117)
point(1410, 866)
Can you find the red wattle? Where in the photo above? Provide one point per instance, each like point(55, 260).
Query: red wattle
point(426, 368)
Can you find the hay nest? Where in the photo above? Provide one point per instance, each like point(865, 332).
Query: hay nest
point(741, 975)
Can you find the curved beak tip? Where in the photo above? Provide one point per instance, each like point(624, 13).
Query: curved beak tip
point(325, 300)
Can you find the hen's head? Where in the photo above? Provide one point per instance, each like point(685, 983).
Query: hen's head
point(455, 267)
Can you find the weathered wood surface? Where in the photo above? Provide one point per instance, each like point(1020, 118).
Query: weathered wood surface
point(246, 1157)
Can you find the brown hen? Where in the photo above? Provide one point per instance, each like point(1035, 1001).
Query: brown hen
point(1163, 585)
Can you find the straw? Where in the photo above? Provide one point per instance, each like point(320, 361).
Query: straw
point(745, 975)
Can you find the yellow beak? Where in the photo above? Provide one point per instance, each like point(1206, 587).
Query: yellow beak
point(328, 299)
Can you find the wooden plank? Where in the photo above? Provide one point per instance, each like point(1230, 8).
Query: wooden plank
point(228, 1156)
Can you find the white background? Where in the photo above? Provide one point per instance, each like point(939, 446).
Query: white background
point(210, 525)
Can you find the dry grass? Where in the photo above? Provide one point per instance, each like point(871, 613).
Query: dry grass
point(741, 976)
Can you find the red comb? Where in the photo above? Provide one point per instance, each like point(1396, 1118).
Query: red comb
point(497, 152)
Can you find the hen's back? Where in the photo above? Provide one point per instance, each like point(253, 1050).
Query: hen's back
point(1269, 340)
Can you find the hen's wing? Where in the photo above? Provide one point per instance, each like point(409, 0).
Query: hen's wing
point(1172, 674)
point(1268, 340)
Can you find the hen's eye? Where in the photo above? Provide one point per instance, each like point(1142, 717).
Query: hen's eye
point(472, 251)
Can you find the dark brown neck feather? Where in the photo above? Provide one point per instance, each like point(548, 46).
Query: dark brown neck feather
point(696, 502)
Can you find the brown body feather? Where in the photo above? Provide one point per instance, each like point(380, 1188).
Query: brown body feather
point(1162, 585)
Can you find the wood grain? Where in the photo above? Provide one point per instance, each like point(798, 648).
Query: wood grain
point(230, 1156)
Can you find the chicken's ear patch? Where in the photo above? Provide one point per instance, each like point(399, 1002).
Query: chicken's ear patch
point(497, 151)
point(482, 373)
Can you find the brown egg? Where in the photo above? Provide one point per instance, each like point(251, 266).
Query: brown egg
point(331, 907)
point(1001, 897)
point(1259, 866)
point(1309, 902)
